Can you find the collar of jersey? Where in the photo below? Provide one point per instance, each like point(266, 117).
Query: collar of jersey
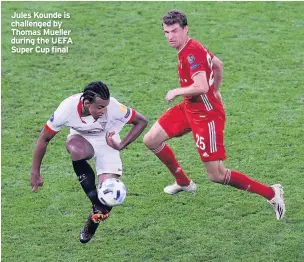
point(184, 45)
point(79, 110)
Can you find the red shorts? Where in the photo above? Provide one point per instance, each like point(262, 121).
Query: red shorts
point(208, 132)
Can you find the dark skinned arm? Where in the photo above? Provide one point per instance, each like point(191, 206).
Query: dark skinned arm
point(139, 124)
point(39, 152)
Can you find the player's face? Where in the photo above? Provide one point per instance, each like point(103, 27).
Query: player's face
point(176, 35)
point(98, 108)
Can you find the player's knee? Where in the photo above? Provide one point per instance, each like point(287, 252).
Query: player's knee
point(76, 152)
point(148, 140)
point(215, 177)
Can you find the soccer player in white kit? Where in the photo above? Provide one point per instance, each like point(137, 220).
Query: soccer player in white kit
point(95, 120)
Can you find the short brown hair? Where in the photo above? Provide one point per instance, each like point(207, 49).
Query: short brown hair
point(175, 17)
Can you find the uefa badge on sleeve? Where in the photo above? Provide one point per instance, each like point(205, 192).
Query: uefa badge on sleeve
point(128, 113)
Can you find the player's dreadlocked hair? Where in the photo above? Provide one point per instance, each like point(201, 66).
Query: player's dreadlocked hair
point(95, 89)
point(175, 17)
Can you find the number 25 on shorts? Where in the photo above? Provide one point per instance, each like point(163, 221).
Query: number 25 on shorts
point(200, 142)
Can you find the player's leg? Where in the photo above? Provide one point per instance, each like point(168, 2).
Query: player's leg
point(210, 145)
point(274, 194)
point(108, 164)
point(81, 150)
point(95, 216)
point(219, 174)
point(88, 230)
point(98, 215)
point(171, 124)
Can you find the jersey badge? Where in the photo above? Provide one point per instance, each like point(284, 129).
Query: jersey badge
point(191, 59)
point(123, 108)
point(103, 125)
point(128, 113)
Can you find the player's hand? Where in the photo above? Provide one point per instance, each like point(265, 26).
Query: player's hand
point(36, 181)
point(218, 95)
point(111, 141)
point(171, 95)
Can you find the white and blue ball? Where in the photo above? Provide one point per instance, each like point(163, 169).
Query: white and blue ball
point(112, 192)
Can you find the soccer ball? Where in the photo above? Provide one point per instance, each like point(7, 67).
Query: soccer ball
point(112, 192)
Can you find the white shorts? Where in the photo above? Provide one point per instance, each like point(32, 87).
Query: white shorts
point(107, 159)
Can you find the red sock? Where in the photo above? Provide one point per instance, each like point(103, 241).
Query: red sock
point(243, 182)
point(166, 155)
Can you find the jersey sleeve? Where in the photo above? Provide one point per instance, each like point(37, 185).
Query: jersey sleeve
point(123, 113)
point(59, 118)
point(197, 60)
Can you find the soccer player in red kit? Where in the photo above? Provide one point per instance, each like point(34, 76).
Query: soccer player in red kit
point(202, 113)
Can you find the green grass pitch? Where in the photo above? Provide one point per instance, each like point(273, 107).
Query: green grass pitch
point(122, 43)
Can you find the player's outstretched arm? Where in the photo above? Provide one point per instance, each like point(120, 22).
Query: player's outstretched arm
point(139, 124)
point(39, 152)
point(218, 72)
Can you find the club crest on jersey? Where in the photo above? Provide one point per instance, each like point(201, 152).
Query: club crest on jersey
point(123, 108)
point(191, 59)
point(103, 125)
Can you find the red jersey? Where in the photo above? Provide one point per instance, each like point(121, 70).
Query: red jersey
point(194, 58)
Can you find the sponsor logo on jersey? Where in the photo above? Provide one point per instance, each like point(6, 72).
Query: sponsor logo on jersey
point(191, 59)
point(52, 118)
point(90, 132)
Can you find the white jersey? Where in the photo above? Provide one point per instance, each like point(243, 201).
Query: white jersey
point(69, 114)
